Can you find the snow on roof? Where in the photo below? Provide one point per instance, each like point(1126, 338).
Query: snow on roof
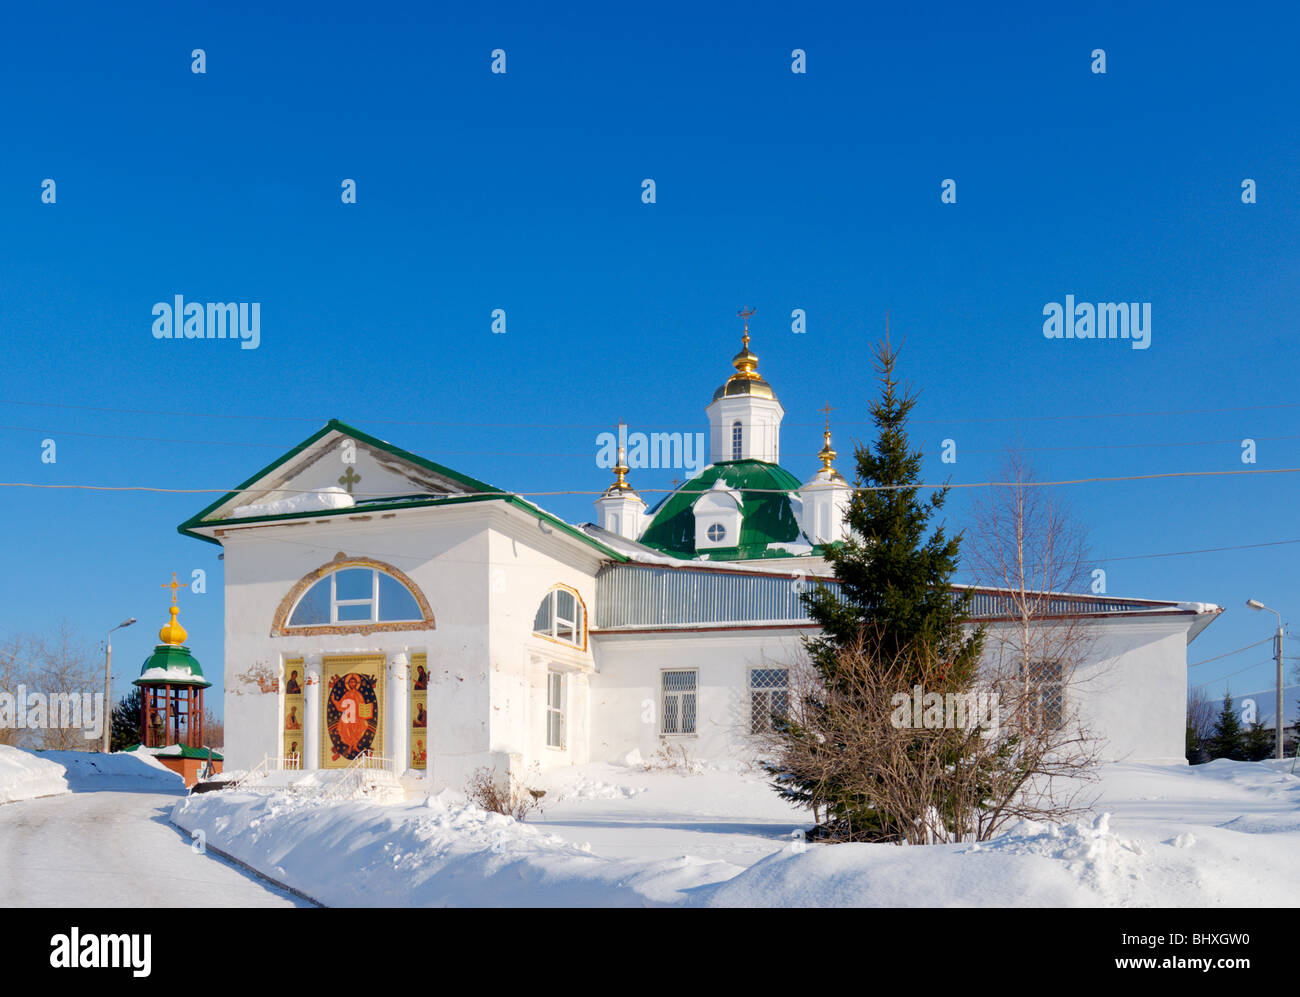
point(176, 675)
point(643, 555)
point(318, 501)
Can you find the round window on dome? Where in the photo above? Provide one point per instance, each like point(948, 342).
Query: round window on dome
point(716, 533)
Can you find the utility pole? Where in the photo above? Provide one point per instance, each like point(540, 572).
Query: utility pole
point(108, 680)
point(1256, 604)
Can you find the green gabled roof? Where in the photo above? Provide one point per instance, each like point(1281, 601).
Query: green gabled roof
point(488, 493)
point(767, 515)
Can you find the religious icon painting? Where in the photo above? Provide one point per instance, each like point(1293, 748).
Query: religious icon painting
point(419, 749)
point(419, 710)
point(354, 687)
point(419, 672)
point(294, 713)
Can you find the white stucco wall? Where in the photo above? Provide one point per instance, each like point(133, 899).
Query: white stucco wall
point(625, 690)
point(438, 555)
point(527, 561)
point(1130, 692)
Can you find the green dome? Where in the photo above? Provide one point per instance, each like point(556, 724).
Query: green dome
point(767, 514)
point(171, 664)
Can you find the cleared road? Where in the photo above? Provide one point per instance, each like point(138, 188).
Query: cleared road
point(115, 849)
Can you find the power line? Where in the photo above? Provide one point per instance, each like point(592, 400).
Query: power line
point(509, 425)
point(1228, 654)
point(1181, 553)
point(920, 486)
point(478, 452)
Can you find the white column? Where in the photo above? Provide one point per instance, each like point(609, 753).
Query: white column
point(398, 720)
point(311, 721)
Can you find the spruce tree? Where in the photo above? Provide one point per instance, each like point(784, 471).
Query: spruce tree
point(1225, 739)
point(1257, 743)
point(126, 722)
point(895, 585)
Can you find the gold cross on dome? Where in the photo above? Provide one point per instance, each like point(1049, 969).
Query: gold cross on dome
point(746, 313)
point(828, 410)
point(174, 585)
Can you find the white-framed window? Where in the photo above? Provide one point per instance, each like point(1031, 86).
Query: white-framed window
point(679, 689)
point(1045, 684)
point(554, 709)
point(561, 617)
point(769, 698)
point(355, 595)
point(737, 440)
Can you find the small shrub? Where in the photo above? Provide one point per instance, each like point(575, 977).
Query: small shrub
point(513, 800)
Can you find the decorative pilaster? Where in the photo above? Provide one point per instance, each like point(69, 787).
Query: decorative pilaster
point(397, 725)
point(311, 727)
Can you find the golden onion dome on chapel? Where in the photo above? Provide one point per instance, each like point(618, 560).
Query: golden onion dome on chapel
point(172, 632)
point(746, 380)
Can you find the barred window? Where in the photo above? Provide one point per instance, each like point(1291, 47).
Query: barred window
point(678, 695)
point(554, 710)
point(1045, 683)
point(769, 698)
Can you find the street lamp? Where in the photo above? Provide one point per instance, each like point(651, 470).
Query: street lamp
point(1256, 604)
point(108, 678)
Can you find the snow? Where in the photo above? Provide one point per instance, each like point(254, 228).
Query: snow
point(177, 675)
point(644, 833)
point(317, 501)
point(24, 775)
point(104, 841)
point(28, 774)
point(1223, 834)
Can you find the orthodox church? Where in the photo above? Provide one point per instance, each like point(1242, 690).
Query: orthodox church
point(379, 602)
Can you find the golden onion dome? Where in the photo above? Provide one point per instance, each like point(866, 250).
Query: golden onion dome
point(827, 456)
point(746, 380)
point(172, 632)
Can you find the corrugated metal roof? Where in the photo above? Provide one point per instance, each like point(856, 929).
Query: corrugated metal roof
point(636, 595)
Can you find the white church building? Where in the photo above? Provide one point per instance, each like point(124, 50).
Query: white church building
point(380, 602)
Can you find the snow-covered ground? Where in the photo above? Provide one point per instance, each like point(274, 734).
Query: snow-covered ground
point(25, 774)
point(1221, 834)
point(91, 830)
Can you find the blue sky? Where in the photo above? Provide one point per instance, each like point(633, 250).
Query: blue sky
point(523, 192)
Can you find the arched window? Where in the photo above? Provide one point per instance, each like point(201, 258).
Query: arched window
point(562, 617)
point(737, 440)
point(352, 595)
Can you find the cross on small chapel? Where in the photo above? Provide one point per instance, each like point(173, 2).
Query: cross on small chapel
point(349, 479)
point(174, 585)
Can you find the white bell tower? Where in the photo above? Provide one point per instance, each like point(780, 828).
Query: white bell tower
point(826, 498)
point(620, 508)
point(745, 417)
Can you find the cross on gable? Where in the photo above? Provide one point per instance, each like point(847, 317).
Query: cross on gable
point(349, 479)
